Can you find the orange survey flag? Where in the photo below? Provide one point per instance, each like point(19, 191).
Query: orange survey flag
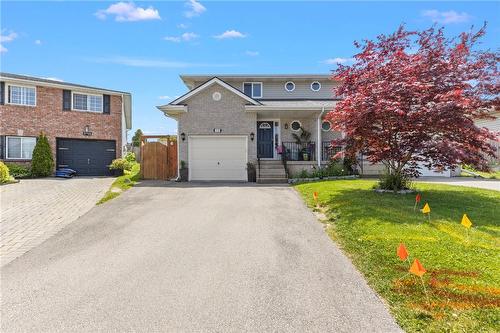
point(402, 252)
point(426, 209)
point(315, 196)
point(466, 222)
point(418, 198)
point(417, 268)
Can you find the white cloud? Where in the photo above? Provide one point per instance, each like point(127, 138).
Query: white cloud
point(187, 36)
point(195, 9)
point(38, 42)
point(151, 63)
point(182, 26)
point(334, 61)
point(128, 11)
point(230, 34)
point(164, 97)
point(6, 38)
point(446, 17)
point(252, 53)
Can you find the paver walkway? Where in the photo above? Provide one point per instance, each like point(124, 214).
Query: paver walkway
point(191, 258)
point(36, 209)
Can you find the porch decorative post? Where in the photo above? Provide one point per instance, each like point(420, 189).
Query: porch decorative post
point(319, 143)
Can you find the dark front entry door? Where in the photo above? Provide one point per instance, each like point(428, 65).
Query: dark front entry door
point(86, 157)
point(265, 142)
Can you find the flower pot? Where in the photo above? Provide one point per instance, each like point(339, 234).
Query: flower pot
point(305, 156)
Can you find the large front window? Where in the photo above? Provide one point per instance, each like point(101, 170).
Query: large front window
point(84, 102)
point(20, 147)
point(21, 95)
point(253, 89)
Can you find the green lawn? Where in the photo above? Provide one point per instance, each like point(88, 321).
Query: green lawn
point(487, 175)
point(122, 183)
point(463, 270)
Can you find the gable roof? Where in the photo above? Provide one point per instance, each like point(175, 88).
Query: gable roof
point(210, 82)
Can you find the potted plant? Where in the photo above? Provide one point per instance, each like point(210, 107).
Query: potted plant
point(183, 172)
point(251, 172)
point(303, 141)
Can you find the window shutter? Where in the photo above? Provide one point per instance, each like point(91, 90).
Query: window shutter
point(66, 100)
point(106, 104)
point(2, 146)
point(2, 93)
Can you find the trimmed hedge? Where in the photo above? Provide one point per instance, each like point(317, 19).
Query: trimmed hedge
point(42, 162)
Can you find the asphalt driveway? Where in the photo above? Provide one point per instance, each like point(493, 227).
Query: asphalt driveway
point(191, 258)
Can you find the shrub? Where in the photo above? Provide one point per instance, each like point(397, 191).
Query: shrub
point(394, 182)
point(130, 157)
point(121, 164)
point(42, 162)
point(19, 171)
point(4, 173)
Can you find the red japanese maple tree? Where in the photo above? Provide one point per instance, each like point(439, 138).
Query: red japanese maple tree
point(412, 97)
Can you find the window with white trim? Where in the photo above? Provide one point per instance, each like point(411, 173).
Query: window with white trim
point(252, 89)
point(315, 86)
point(326, 125)
point(21, 95)
point(295, 125)
point(289, 86)
point(19, 147)
point(86, 102)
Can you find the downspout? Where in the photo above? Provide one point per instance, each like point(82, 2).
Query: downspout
point(178, 160)
point(319, 144)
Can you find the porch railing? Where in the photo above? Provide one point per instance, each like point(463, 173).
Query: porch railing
point(299, 152)
point(327, 150)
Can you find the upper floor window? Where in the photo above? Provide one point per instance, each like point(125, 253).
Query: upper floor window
point(315, 86)
point(289, 86)
point(19, 147)
point(86, 102)
point(253, 89)
point(21, 95)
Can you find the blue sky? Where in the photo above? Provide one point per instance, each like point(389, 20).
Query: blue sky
point(142, 47)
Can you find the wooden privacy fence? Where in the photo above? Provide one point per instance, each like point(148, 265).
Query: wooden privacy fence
point(158, 158)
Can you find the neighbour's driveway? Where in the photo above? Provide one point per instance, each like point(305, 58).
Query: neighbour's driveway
point(488, 184)
point(36, 209)
point(191, 258)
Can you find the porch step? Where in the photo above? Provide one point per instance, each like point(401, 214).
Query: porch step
point(271, 172)
point(280, 180)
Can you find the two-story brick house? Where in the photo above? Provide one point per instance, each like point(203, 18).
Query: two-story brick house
point(86, 126)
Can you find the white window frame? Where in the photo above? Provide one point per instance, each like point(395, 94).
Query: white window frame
point(7, 157)
point(88, 102)
point(317, 83)
point(295, 121)
point(7, 94)
point(253, 83)
point(326, 121)
point(290, 89)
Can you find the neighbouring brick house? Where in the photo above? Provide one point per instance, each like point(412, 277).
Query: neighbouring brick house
point(86, 126)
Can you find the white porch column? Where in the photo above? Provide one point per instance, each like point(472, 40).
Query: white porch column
point(319, 140)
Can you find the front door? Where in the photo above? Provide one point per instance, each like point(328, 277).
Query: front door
point(265, 139)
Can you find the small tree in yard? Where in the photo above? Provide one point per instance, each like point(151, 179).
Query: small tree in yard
point(136, 139)
point(411, 98)
point(42, 162)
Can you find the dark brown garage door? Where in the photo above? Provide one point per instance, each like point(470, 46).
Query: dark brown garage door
point(86, 157)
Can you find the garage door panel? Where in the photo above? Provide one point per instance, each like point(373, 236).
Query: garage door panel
point(86, 157)
point(218, 158)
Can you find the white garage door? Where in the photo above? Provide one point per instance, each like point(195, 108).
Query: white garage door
point(217, 157)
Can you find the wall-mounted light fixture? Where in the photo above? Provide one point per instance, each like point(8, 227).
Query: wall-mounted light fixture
point(183, 136)
point(87, 131)
point(252, 136)
point(286, 125)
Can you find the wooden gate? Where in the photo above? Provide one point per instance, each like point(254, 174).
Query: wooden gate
point(159, 158)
